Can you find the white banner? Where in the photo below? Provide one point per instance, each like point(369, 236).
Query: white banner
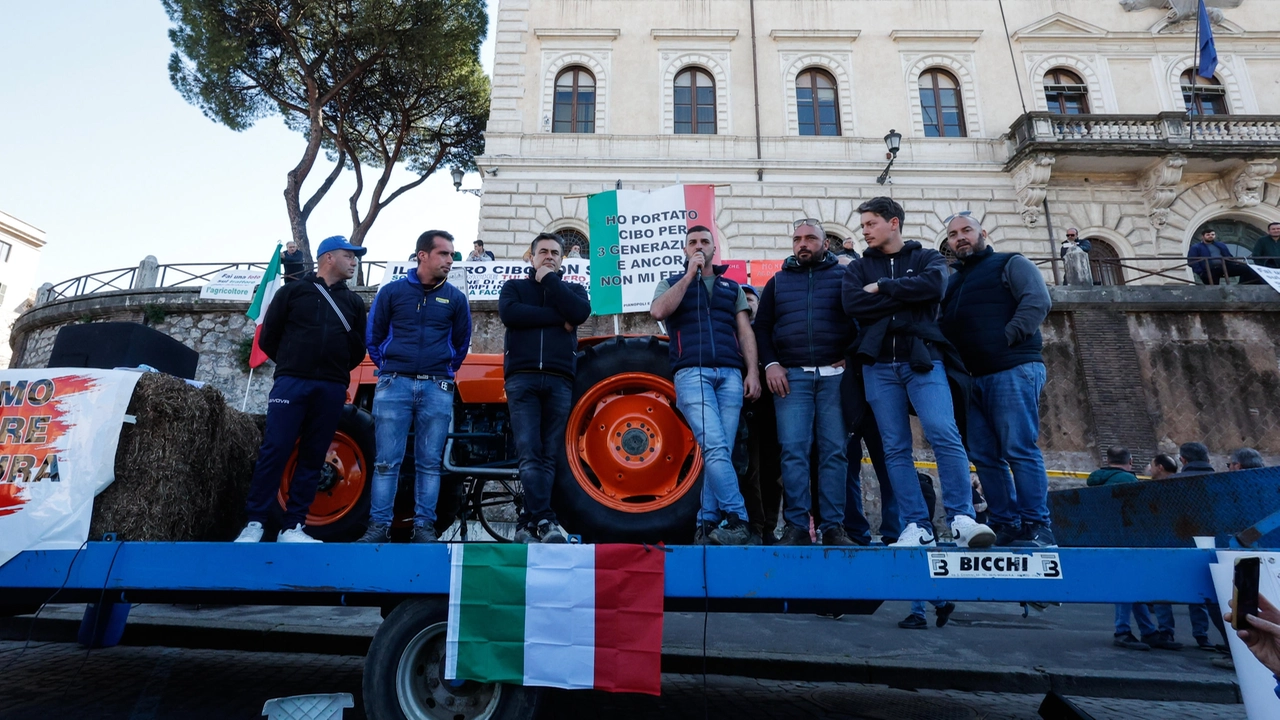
point(1271, 275)
point(395, 271)
point(235, 285)
point(486, 277)
point(60, 428)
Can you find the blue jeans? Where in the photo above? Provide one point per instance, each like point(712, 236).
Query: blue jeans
point(710, 398)
point(1200, 618)
point(918, 608)
point(301, 411)
point(811, 410)
point(399, 402)
point(1004, 427)
point(1140, 615)
point(889, 386)
point(539, 404)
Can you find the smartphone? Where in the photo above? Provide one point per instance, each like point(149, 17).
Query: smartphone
point(1245, 591)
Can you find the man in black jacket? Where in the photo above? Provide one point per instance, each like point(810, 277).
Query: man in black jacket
point(314, 331)
point(541, 313)
point(801, 332)
point(893, 292)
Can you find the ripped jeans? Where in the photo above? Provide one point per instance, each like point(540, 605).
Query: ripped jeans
point(401, 402)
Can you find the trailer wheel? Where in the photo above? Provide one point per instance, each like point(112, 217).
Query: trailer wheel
point(632, 471)
point(340, 511)
point(404, 673)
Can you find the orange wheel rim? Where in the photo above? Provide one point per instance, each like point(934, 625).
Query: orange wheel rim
point(628, 446)
point(342, 480)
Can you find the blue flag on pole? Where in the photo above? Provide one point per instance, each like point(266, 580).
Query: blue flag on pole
point(1208, 53)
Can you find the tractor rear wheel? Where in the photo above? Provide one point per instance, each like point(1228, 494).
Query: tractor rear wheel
point(632, 471)
point(340, 511)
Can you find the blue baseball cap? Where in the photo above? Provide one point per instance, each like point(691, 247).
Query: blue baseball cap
point(338, 242)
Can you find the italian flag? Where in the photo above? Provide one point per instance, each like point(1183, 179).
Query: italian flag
point(270, 283)
point(564, 616)
point(637, 241)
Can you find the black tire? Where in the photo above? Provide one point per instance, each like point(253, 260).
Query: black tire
point(356, 424)
point(497, 505)
point(404, 679)
point(577, 510)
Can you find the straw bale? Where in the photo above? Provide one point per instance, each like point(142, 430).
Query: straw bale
point(183, 470)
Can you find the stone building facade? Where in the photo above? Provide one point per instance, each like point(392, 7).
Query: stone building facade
point(20, 245)
point(1077, 116)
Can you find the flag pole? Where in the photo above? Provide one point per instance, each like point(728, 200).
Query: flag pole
point(1195, 74)
point(247, 385)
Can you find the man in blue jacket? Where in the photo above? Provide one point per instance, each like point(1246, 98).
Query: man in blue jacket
point(314, 331)
point(418, 336)
point(711, 346)
point(1214, 268)
point(991, 313)
point(801, 333)
point(893, 292)
point(542, 313)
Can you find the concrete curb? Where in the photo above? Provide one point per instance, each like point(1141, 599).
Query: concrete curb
point(770, 666)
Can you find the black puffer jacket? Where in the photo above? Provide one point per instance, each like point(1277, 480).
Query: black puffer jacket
point(535, 314)
point(305, 337)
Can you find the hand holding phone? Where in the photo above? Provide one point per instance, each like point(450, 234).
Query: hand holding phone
point(1244, 591)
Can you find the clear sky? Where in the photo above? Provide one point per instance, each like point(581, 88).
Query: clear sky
point(98, 150)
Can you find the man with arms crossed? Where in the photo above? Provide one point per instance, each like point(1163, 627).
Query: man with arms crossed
point(711, 345)
point(893, 292)
point(418, 337)
point(314, 331)
point(541, 313)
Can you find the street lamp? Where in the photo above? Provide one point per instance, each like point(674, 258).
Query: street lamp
point(458, 174)
point(893, 141)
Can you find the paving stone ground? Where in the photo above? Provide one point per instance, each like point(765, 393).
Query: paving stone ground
point(62, 680)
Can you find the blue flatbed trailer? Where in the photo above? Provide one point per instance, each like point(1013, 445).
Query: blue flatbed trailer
point(403, 669)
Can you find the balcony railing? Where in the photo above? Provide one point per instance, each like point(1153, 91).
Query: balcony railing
point(1159, 270)
point(1165, 131)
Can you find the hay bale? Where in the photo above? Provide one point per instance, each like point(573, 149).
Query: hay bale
point(183, 470)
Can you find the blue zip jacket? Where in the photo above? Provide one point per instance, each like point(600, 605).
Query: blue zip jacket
point(1200, 250)
point(418, 330)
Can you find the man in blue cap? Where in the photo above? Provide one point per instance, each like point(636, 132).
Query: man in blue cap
point(419, 332)
point(314, 331)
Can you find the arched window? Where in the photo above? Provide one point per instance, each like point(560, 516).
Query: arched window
point(816, 107)
point(1104, 262)
point(940, 102)
point(1203, 96)
point(575, 106)
point(1065, 92)
point(572, 237)
point(944, 248)
point(695, 102)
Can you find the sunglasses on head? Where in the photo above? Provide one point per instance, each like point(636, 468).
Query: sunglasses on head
point(806, 221)
point(962, 213)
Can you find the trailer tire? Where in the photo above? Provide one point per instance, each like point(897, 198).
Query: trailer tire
point(404, 673)
point(623, 365)
point(346, 514)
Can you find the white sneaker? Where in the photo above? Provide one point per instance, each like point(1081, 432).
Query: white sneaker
point(295, 535)
point(251, 532)
point(915, 536)
point(971, 533)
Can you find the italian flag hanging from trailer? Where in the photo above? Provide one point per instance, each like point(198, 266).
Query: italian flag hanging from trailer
point(637, 240)
point(564, 616)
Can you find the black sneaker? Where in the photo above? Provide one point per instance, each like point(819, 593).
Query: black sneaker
point(1161, 641)
point(423, 534)
point(702, 536)
point(525, 534)
point(734, 531)
point(793, 535)
point(550, 532)
point(837, 536)
point(1204, 643)
point(1035, 535)
point(1005, 534)
point(1129, 642)
point(944, 613)
point(376, 533)
point(914, 622)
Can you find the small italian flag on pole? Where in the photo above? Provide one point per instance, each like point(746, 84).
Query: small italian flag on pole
point(271, 281)
point(564, 616)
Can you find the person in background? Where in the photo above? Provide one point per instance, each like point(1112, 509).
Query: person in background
point(574, 251)
point(845, 252)
point(1074, 240)
point(713, 356)
point(479, 253)
point(541, 313)
point(292, 262)
point(1211, 268)
point(1161, 467)
point(1266, 251)
point(1245, 459)
point(314, 331)
point(418, 336)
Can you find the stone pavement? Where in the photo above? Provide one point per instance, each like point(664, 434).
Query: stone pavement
point(61, 680)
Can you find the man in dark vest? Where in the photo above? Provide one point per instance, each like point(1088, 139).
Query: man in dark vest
point(992, 312)
point(712, 346)
point(801, 332)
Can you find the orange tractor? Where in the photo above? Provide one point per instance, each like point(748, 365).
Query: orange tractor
point(631, 470)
